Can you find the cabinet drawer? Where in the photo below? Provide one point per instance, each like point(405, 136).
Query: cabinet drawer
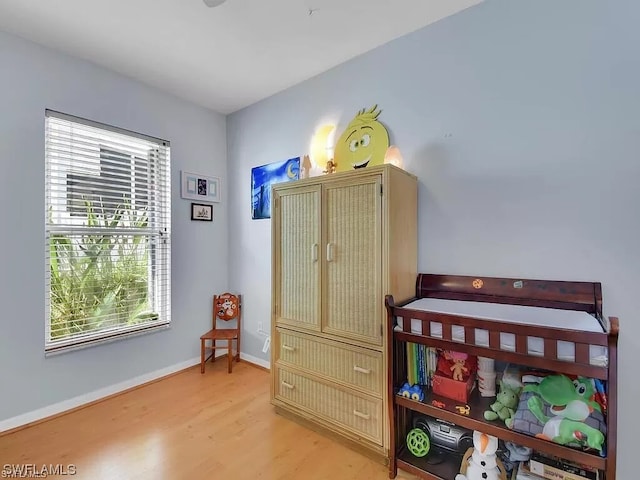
point(362, 415)
point(342, 362)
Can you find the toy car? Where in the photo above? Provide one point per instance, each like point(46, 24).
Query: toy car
point(413, 392)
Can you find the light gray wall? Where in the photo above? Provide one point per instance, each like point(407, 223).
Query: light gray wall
point(34, 78)
point(521, 120)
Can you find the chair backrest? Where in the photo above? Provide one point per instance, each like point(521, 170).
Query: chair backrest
point(227, 307)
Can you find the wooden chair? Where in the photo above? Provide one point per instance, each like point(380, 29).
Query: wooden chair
point(226, 307)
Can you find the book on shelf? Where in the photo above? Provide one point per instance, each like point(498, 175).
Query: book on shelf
point(421, 364)
point(422, 380)
point(559, 469)
point(523, 473)
point(582, 471)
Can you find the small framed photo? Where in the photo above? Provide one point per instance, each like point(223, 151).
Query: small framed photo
point(202, 212)
point(195, 186)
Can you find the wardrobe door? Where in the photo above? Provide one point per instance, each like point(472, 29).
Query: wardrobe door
point(296, 257)
point(352, 253)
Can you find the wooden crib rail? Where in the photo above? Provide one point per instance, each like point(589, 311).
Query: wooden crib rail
point(549, 360)
point(583, 296)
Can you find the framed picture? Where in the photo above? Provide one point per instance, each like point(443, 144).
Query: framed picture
point(202, 212)
point(195, 186)
point(263, 177)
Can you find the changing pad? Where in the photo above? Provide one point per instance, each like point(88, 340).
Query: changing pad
point(520, 314)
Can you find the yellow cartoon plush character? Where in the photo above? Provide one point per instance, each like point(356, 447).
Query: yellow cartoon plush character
point(364, 142)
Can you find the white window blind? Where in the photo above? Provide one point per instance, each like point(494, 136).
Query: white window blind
point(108, 239)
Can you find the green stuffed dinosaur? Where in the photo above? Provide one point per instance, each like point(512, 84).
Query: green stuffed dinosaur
point(505, 405)
point(571, 405)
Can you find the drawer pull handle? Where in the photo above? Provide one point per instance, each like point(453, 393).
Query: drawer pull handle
point(366, 416)
point(329, 252)
point(288, 348)
point(314, 252)
point(361, 370)
point(287, 385)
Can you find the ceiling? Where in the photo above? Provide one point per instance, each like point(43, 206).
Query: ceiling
point(223, 58)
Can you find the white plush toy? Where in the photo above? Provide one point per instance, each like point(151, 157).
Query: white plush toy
point(481, 462)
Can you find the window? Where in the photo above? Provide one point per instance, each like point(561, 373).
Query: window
point(108, 242)
point(80, 187)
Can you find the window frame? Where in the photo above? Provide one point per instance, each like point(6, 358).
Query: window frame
point(156, 235)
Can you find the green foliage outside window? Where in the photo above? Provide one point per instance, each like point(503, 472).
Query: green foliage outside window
point(100, 280)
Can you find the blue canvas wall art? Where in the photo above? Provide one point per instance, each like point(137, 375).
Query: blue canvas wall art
point(266, 175)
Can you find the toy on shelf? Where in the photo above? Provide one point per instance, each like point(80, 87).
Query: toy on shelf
point(571, 404)
point(486, 377)
point(363, 142)
point(413, 392)
point(447, 387)
point(438, 403)
point(512, 455)
point(459, 367)
point(418, 442)
point(505, 405)
point(455, 375)
point(331, 167)
point(480, 461)
point(463, 409)
point(512, 375)
point(601, 395)
point(306, 166)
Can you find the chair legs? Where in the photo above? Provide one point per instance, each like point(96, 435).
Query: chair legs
point(230, 355)
point(202, 355)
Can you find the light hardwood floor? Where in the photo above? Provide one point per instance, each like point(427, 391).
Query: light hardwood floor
point(188, 426)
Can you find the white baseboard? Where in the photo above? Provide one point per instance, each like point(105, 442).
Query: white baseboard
point(75, 402)
point(80, 400)
point(256, 360)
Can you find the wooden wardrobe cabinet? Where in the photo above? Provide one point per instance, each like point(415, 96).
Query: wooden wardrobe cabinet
point(340, 243)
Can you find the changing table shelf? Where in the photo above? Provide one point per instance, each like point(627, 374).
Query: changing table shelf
point(459, 332)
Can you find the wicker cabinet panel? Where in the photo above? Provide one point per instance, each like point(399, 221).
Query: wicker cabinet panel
point(353, 304)
point(360, 414)
point(297, 253)
point(338, 361)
